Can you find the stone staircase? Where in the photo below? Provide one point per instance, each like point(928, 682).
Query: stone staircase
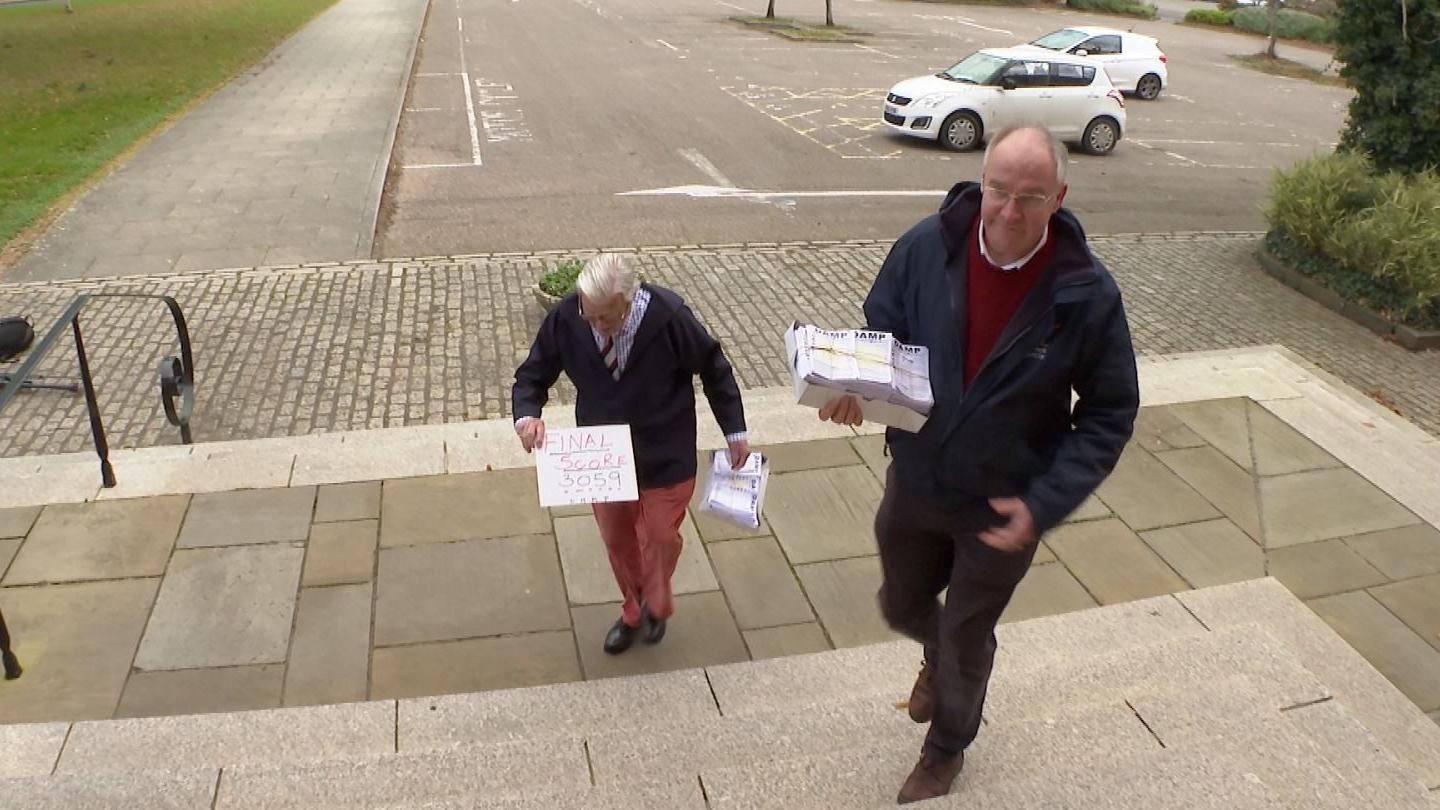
point(1234, 697)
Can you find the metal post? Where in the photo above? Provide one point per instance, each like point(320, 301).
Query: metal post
point(97, 429)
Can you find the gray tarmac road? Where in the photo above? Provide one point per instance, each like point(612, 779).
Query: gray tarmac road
point(545, 124)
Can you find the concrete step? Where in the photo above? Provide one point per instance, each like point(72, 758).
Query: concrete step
point(154, 790)
point(509, 770)
point(643, 702)
point(1234, 651)
point(618, 756)
point(887, 670)
point(1229, 713)
point(1008, 767)
point(676, 792)
point(232, 738)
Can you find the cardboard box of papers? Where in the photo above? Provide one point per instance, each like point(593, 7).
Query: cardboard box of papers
point(890, 380)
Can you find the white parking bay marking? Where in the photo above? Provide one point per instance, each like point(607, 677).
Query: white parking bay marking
point(703, 163)
point(955, 18)
point(666, 44)
point(727, 192)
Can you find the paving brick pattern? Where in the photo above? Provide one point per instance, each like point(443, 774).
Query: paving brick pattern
point(316, 348)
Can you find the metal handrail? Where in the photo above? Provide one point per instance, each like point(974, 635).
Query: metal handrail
point(177, 374)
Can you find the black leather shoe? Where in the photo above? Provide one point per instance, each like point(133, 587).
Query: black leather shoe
point(654, 628)
point(620, 637)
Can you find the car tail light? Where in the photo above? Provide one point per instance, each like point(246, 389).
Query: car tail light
point(1119, 99)
point(1164, 59)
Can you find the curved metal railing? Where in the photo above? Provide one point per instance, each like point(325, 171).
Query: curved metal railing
point(177, 374)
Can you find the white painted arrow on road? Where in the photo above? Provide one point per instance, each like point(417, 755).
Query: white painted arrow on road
point(713, 192)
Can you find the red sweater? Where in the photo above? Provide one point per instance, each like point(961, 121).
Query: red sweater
point(992, 296)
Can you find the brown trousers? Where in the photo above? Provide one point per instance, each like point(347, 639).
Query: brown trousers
point(924, 549)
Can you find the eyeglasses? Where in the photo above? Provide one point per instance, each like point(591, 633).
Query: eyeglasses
point(1025, 202)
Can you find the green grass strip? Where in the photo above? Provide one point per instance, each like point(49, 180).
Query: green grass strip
point(78, 89)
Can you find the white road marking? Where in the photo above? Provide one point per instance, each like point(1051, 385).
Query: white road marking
point(964, 21)
point(666, 44)
point(1179, 97)
point(425, 109)
point(469, 100)
point(1214, 143)
point(703, 163)
point(712, 192)
point(442, 166)
point(876, 50)
point(435, 75)
point(731, 5)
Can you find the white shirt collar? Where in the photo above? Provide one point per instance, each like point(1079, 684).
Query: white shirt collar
point(1018, 263)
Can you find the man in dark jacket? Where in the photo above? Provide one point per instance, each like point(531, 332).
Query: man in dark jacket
point(632, 353)
point(1017, 313)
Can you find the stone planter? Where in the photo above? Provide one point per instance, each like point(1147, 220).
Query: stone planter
point(1407, 336)
point(546, 300)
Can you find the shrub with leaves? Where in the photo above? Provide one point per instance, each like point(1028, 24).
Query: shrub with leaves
point(1116, 7)
point(1391, 58)
point(1208, 16)
point(1375, 236)
point(560, 280)
point(1288, 24)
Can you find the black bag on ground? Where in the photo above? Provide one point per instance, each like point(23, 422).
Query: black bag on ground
point(16, 335)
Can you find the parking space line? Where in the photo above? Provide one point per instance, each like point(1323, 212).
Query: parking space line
point(469, 98)
point(876, 50)
point(666, 44)
point(441, 166)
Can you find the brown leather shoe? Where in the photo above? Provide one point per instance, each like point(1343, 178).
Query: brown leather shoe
point(922, 699)
point(933, 775)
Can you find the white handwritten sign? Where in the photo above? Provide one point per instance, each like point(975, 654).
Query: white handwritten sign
point(586, 465)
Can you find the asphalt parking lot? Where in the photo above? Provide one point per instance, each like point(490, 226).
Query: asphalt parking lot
point(544, 124)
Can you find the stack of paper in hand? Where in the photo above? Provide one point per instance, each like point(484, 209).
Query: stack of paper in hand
point(891, 379)
point(736, 495)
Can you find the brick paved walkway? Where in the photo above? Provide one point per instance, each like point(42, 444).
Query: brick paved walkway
point(346, 346)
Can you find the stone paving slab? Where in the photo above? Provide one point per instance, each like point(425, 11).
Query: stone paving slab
point(191, 790)
point(1208, 553)
point(823, 514)
point(1114, 563)
point(1416, 602)
point(329, 659)
point(467, 506)
point(1146, 494)
point(99, 541)
point(842, 593)
point(1320, 504)
point(701, 633)
point(1321, 569)
point(17, 522)
point(475, 665)
point(793, 639)
point(1410, 551)
point(759, 584)
point(91, 630)
point(195, 691)
point(363, 368)
point(223, 606)
point(429, 592)
point(340, 553)
point(348, 502)
point(249, 516)
point(1230, 488)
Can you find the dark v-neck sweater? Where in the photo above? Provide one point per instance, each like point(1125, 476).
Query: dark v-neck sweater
point(655, 393)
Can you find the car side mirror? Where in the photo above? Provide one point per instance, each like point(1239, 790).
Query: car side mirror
point(1081, 52)
point(1007, 83)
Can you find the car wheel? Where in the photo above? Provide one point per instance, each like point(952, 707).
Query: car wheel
point(960, 132)
point(1101, 135)
point(1148, 87)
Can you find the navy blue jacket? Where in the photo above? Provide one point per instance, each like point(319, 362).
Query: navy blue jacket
point(655, 394)
point(1014, 432)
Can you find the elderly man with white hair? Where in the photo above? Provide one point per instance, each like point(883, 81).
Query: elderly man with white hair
point(632, 351)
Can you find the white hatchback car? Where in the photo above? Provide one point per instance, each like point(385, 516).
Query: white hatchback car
point(1134, 61)
point(998, 87)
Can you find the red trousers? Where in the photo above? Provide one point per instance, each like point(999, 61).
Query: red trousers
point(643, 540)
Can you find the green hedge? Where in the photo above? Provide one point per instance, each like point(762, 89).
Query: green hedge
point(560, 279)
point(1372, 237)
point(1115, 7)
point(1288, 24)
point(1209, 16)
